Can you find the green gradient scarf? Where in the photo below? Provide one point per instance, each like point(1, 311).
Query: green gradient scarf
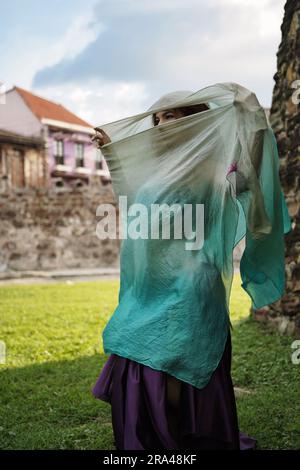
point(173, 310)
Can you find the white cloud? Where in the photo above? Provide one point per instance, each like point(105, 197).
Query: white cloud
point(34, 53)
point(81, 32)
point(97, 102)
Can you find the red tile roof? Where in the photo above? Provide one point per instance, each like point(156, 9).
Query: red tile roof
point(43, 108)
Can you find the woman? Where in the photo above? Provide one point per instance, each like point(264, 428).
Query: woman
point(152, 409)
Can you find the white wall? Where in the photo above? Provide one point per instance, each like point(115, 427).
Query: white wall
point(15, 116)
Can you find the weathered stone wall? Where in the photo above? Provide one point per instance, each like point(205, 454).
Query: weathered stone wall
point(285, 120)
point(54, 228)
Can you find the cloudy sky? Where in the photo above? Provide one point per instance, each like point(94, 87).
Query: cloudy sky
point(106, 59)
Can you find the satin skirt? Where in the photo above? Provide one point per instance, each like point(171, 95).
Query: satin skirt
point(153, 410)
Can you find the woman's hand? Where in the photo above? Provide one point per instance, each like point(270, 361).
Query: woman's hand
point(101, 138)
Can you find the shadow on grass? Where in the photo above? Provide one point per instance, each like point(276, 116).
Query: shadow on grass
point(51, 406)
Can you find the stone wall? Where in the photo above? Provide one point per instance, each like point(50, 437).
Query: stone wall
point(53, 229)
point(285, 120)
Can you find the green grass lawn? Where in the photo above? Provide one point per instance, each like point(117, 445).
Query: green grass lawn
point(54, 356)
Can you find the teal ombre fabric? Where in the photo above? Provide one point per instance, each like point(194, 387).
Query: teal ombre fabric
point(173, 307)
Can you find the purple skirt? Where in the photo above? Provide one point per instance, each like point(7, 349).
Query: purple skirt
point(152, 410)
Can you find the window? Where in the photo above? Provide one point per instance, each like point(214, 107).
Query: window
point(79, 154)
point(98, 160)
point(59, 152)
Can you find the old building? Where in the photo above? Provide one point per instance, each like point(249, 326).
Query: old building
point(22, 161)
point(71, 157)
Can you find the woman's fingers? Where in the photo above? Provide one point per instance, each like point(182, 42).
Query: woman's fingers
point(98, 139)
point(101, 137)
point(98, 143)
point(98, 135)
point(101, 131)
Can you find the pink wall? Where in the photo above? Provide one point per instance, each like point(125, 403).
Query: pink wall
point(70, 138)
